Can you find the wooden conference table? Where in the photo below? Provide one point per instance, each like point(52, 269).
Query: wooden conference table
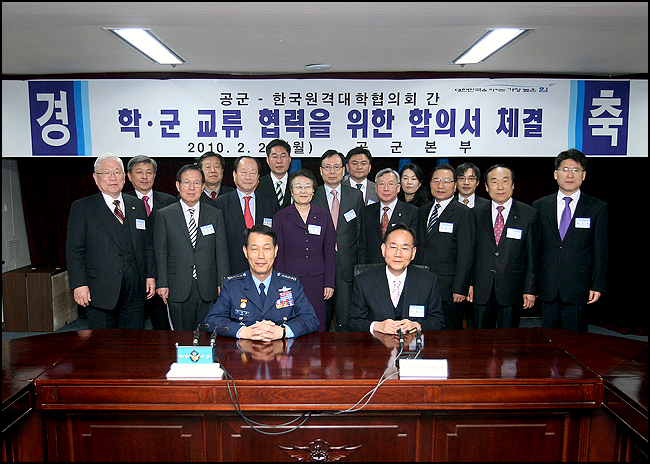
point(511, 394)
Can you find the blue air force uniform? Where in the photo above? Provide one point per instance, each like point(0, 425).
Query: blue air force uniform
point(240, 304)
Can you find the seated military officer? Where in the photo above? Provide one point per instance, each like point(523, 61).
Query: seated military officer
point(261, 304)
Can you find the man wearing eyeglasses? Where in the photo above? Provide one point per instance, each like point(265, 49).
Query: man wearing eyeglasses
point(396, 296)
point(106, 251)
point(345, 204)
point(191, 252)
point(573, 247)
point(446, 238)
point(274, 184)
point(377, 217)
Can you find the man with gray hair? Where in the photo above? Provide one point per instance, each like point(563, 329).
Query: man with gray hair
point(106, 251)
point(141, 171)
point(377, 217)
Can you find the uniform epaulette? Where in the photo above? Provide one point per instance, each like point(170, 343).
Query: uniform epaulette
point(236, 276)
point(287, 276)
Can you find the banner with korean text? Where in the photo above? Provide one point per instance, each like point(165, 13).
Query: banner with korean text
point(393, 118)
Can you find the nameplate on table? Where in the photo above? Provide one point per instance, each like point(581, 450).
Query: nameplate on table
point(423, 369)
point(195, 371)
point(194, 355)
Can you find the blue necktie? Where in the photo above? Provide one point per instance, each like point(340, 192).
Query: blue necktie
point(565, 220)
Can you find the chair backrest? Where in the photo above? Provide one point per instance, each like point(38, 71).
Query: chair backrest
point(359, 268)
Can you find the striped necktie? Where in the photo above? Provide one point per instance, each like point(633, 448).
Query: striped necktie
point(278, 191)
point(118, 212)
point(433, 218)
point(193, 233)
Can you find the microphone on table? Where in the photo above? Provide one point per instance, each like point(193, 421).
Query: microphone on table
point(400, 334)
point(197, 333)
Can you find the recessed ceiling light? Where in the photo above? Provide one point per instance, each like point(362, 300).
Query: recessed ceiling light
point(491, 42)
point(317, 67)
point(146, 42)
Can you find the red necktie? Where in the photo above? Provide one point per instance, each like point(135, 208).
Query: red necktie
point(498, 224)
point(146, 205)
point(214, 195)
point(335, 209)
point(384, 221)
point(248, 217)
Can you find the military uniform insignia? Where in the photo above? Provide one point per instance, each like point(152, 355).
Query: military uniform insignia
point(242, 303)
point(286, 298)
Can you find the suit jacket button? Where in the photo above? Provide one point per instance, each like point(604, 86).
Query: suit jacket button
point(496, 254)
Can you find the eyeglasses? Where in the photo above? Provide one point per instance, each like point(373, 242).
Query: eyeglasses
point(331, 168)
point(468, 178)
point(276, 157)
point(445, 181)
point(188, 184)
point(107, 174)
point(570, 170)
point(392, 249)
point(303, 187)
point(389, 184)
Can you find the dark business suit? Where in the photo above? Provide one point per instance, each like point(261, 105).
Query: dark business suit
point(504, 273)
point(371, 239)
point(190, 299)
point(371, 299)
point(155, 308)
point(306, 250)
point(371, 190)
point(570, 268)
point(267, 188)
point(448, 250)
point(110, 258)
point(230, 206)
point(347, 237)
point(239, 304)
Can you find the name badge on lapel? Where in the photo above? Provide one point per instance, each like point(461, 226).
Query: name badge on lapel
point(416, 310)
point(350, 215)
point(140, 224)
point(313, 229)
point(583, 223)
point(447, 227)
point(207, 229)
point(513, 233)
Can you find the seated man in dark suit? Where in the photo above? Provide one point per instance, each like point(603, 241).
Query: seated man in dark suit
point(261, 304)
point(397, 296)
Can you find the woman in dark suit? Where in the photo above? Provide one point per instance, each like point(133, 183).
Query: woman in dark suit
point(414, 188)
point(306, 240)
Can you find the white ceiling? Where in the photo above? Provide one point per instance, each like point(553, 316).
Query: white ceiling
point(609, 38)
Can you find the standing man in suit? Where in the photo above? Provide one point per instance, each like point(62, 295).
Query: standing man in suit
point(505, 254)
point(274, 184)
point(573, 246)
point(396, 296)
point(377, 217)
point(358, 163)
point(191, 252)
point(106, 251)
point(243, 207)
point(213, 166)
point(446, 243)
point(141, 171)
point(345, 205)
point(468, 177)
point(261, 303)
